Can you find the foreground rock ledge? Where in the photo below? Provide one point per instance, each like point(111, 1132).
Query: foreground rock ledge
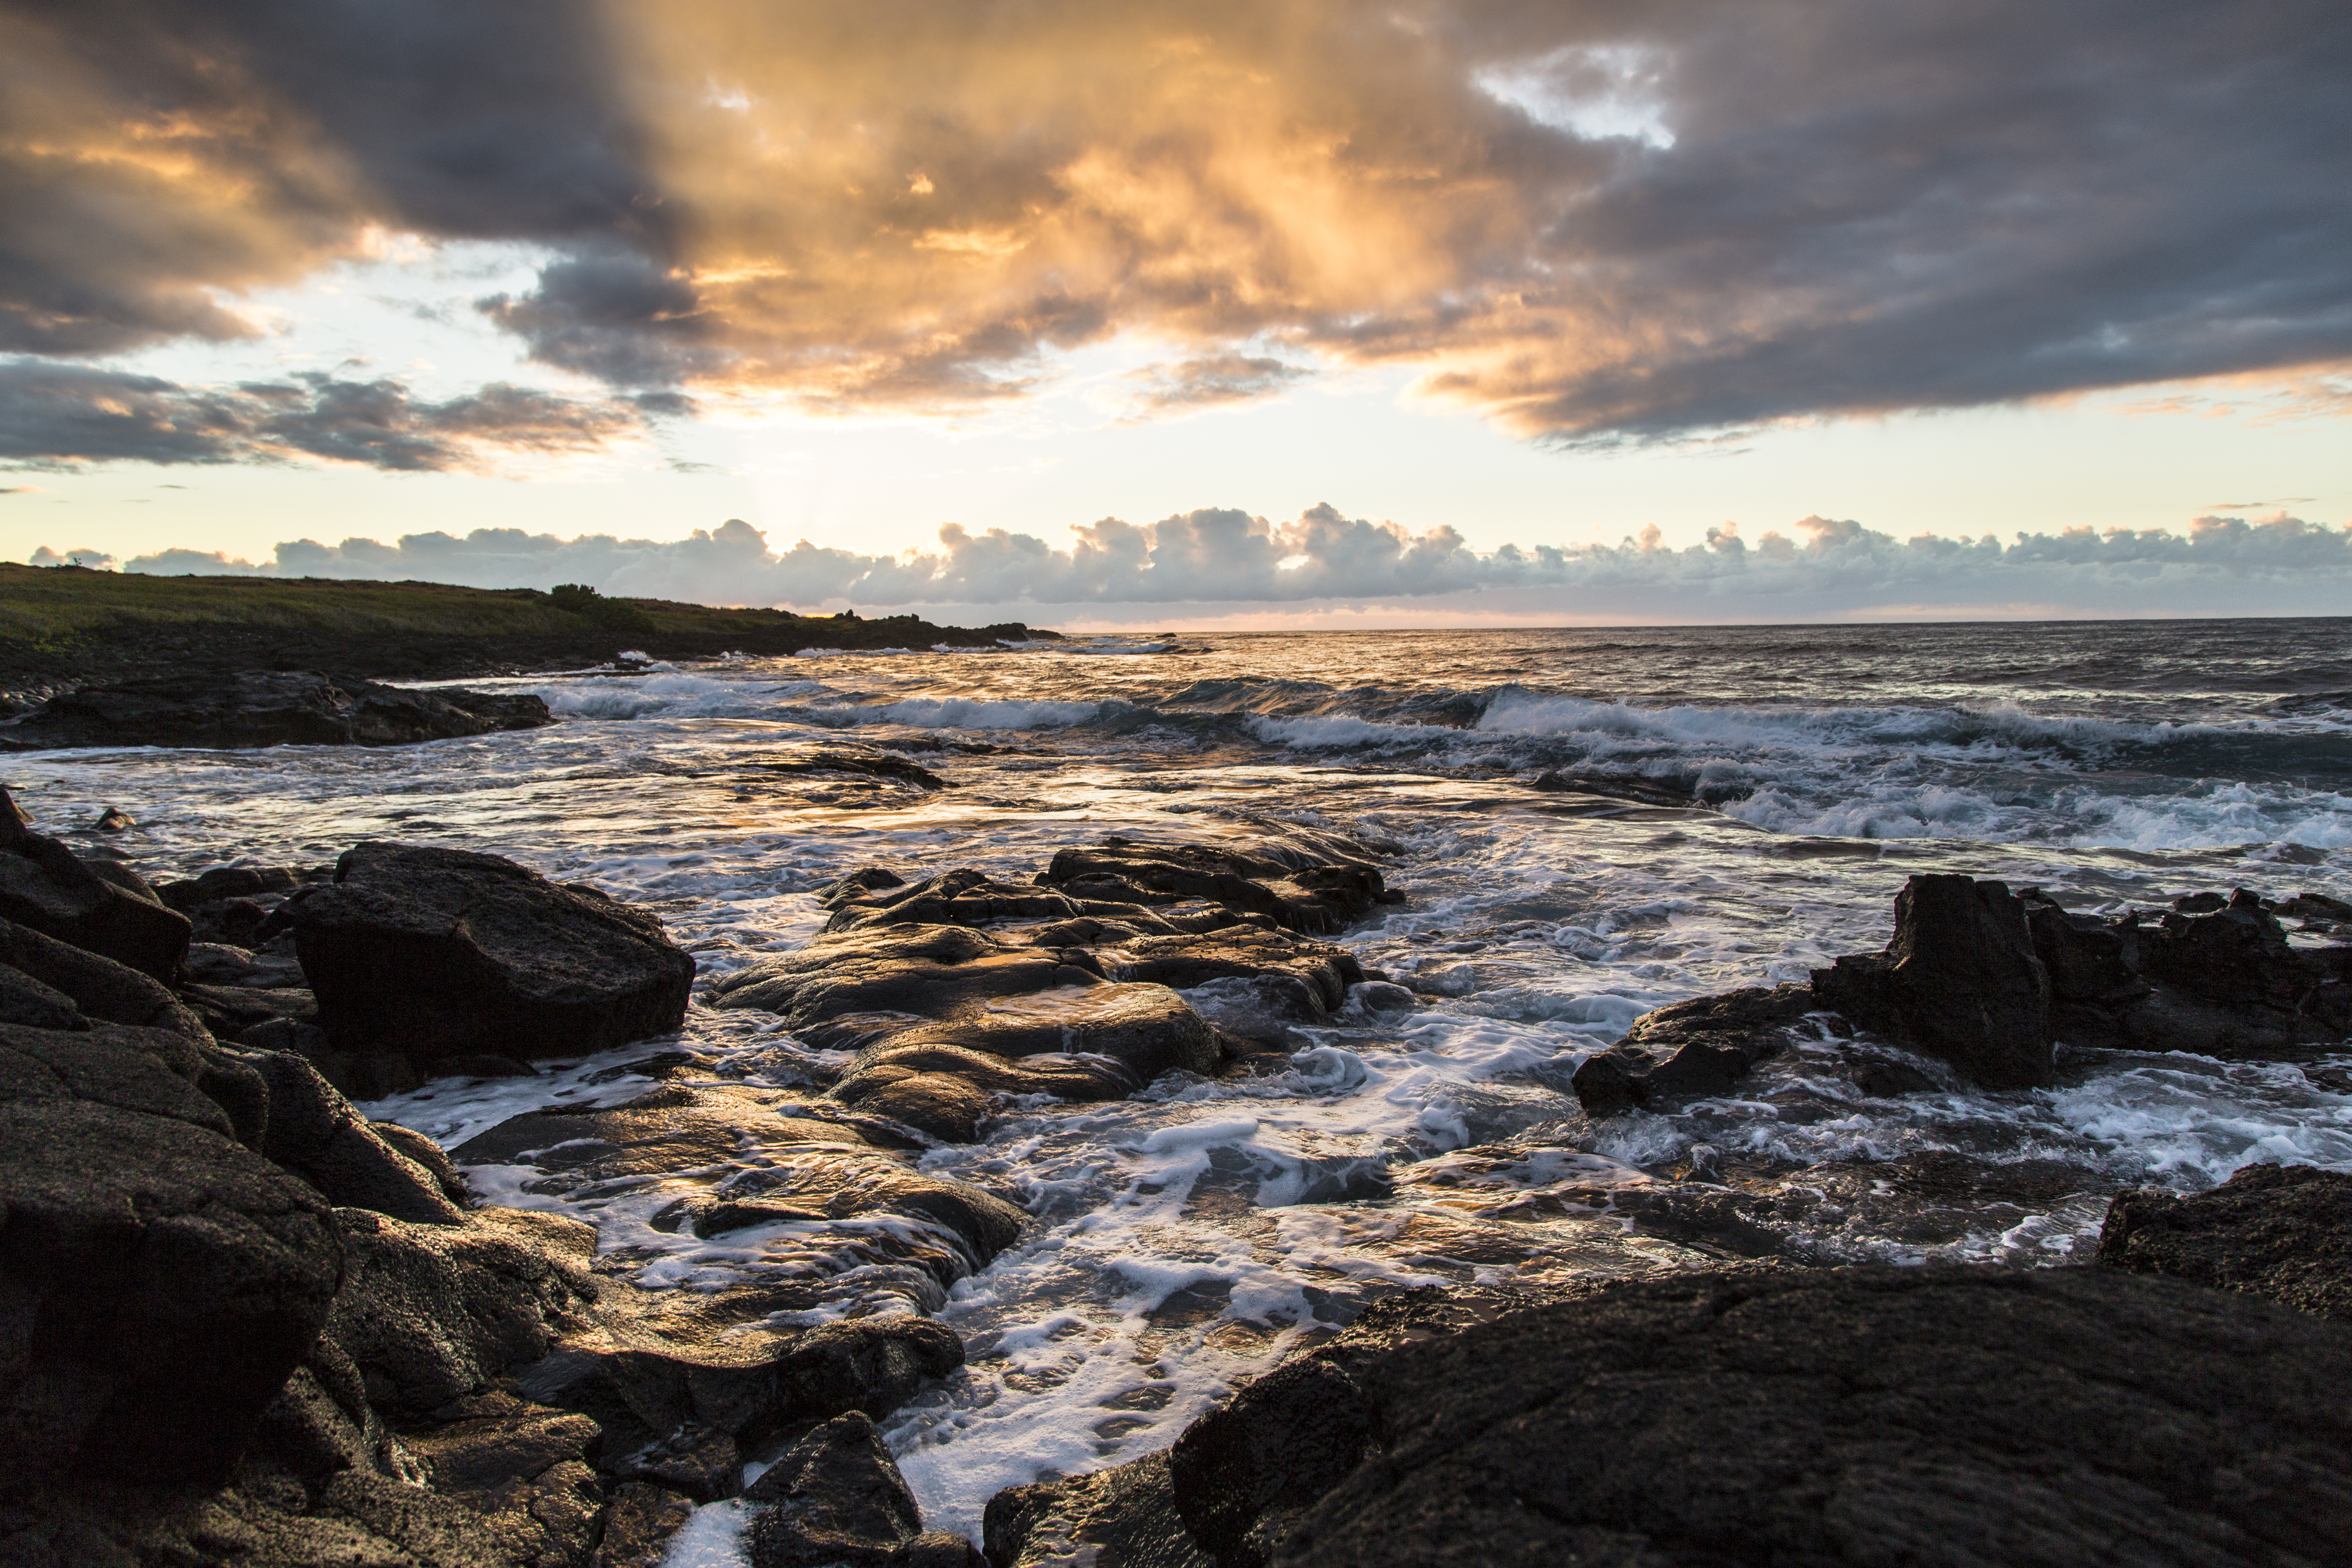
point(2061, 1417)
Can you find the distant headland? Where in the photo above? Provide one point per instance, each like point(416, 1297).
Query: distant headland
point(68, 626)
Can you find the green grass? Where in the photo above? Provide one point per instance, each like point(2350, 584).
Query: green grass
point(58, 606)
point(57, 610)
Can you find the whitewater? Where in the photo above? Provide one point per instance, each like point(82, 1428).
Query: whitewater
point(1751, 800)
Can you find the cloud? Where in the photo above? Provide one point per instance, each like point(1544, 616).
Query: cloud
point(62, 417)
point(96, 559)
point(1207, 381)
point(1591, 220)
point(1225, 558)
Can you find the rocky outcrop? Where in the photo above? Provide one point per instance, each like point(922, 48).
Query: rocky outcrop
point(1933, 1416)
point(1316, 889)
point(239, 1322)
point(737, 1157)
point(265, 708)
point(1991, 983)
point(1117, 964)
point(96, 905)
point(432, 953)
point(1959, 981)
point(835, 1500)
point(2280, 1231)
point(1693, 1048)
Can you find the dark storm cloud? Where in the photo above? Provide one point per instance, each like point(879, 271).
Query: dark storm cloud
point(1219, 556)
point(1592, 220)
point(63, 416)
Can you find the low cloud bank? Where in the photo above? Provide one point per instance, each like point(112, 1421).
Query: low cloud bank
point(1216, 561)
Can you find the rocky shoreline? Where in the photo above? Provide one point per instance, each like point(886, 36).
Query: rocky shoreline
point(247, 1325)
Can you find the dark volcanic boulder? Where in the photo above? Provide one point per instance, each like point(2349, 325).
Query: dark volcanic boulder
point(158, 1280)
point(443, 952)
point(265, 708)
point(2065, 1418)
point(1959, 981)
point(97, 986)
point(95, 905)
point(2281, 1231)
point(1691, 1048)
point(835, 1496)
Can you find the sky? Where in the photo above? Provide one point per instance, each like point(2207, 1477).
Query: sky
point(1298, 312)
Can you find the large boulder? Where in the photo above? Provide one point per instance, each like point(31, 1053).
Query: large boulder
point(97, 986)
point(1960, 981)
point(2280, 1231)
point(2065, 1418)
point(95, 905)
point(1693, 1048)
point(158, 1280)
point(835, 1497)
point(442, 952)
point(265, 708)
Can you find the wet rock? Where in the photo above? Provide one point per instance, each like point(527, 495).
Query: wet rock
point(94, 905)
point(638, 1527)
point(639, 1521)
point(1941, 1417)
point(1300, 890)
point(158, 1280)
point(650, 1369)
point(1691, 1049)
point(489, 1442)
point(948, 1092)
point(265, 708)
point(1124, 1515)
point(1187, 962)
point(753, 1165)
point(917, 970)
point(2280, 1231)
point(702, 1463)
point(113, 820)
point(1959, 981)
point(430, 1313)
point(437, 953)
point(834, 1497)
point(1294, 1435)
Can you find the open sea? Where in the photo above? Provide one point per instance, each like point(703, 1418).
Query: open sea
point(1191, 1238)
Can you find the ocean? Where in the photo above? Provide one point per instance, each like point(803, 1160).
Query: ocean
point(1766, 792)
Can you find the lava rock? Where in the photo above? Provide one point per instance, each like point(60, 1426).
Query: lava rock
point(834, 1497)
point(1934, 1417)
point(315, 1132)
point(437, 952)
point(1959, 981)
point(2280, 1231)
point(1297, 889)
point(917, 970)
point(1125, 1516)
point(748, 1379)
point(430, 1313)
point(265, 708)
point(158, 1280)
point(1691, 1049)
point(639, 1521)
point(95, 905)
point(99, 986)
